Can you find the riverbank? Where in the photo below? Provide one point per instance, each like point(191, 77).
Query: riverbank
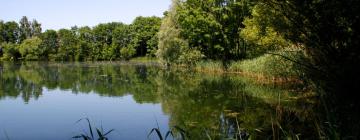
point(266, 69)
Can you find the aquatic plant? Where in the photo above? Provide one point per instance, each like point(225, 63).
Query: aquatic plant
point(175, 131)
point(100, 132)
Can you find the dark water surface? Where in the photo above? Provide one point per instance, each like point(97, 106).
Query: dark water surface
point(44, 100)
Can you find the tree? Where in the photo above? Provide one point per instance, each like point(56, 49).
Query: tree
point(258, 32)
point(2, 31)
point(328, 32)
point(10, 51)
point(84, 48)
point(145, 30)
point(170, 43)
point(86, 34)
point(10, 32)
point(49, 45)
point(122, 37)
point(35, 28)
point(127, 52)
point(29, 49)
point(67, 44)
point(25, 28)
point(103, 34)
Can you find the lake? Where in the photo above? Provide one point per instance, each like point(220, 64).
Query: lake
point(45, 100)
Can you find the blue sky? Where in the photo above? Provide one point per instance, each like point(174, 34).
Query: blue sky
point(56, 14)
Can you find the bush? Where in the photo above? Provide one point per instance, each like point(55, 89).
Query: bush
point(10, 52)
point(127, 52)
point(269, 65)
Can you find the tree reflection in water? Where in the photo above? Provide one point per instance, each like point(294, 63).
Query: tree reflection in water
point(205, 105)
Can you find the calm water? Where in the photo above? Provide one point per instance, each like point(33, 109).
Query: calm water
point(44, 101)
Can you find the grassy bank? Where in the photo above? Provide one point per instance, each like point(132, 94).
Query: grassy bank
point(267, 67)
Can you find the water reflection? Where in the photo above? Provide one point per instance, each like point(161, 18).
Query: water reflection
point(206, 106)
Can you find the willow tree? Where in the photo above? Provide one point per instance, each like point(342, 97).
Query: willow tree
point(170, 42)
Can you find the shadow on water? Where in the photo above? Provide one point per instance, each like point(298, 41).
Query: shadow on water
point(205, 106)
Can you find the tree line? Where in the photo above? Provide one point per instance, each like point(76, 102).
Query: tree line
point(322, 37)
point(108, 41)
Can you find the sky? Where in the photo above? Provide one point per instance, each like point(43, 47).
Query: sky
point(57, 14)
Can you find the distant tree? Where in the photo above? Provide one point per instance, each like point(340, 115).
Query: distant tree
point(122, 37)
point(86, 34)
point(67, 45)
point(86, 42)
point(2, 31)
point(103, 32)
point(127, 52)
point(145, 30)
point(10, 51)
point(10, 32)
point(29, 48)
point(49, 45)
point(25, 28)
point(35, 28)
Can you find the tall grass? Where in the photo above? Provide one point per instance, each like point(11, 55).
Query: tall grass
point(267, 65)
point(209, 66)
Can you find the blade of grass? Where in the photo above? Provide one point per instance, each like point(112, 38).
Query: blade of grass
point(182, 132)
point(169, 133)
point(157, 132)
point(90, 128)
point(109, 132)
point(99, 133)
point(89, 125)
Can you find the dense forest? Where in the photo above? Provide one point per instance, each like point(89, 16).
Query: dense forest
point(26, 41)
point(319, 38)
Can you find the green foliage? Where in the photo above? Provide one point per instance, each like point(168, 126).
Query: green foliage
point(25, 28)
point(82, 51)
point(268, 65)
point(258, 31)
point(214, 27)
point(10, 51)
point(190, 57)
point(9, 32)
point(103, 33)
point(170, 44)
point(122, 37)
point(2, 29)
point(127, 52)
point(106, 41)
point(28, 29)
point(211, 27)
point(144, 35)
point(67, 43)
point(49, 45)
point(29, 49)
point(328, 33)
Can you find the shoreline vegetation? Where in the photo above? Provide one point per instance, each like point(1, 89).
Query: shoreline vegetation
point(312, 43)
